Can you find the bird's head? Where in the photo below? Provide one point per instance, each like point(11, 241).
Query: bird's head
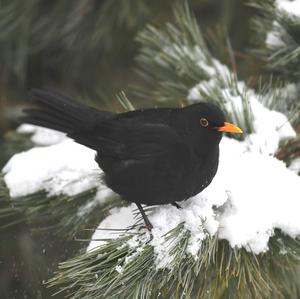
point(207, 122)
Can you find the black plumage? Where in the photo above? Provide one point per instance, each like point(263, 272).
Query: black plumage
point(152, 156)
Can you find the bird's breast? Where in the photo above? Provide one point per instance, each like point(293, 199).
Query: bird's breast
point(203, 172)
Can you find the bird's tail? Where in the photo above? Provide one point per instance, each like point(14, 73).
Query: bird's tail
point(58, 112)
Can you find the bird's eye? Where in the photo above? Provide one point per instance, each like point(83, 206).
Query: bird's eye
point(203, 122)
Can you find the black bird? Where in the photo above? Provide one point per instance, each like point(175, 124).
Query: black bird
point(151, 156)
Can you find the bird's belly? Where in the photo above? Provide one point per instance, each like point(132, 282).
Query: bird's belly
point(147, 186)
point(155, 185)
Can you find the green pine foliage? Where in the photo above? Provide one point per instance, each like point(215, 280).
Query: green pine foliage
point(219, 271)
point(278, 44)
point(84, 47)
point(174, 59)
point(283, 59)
point(167, 63)
point(68, 216)
point(169, 66)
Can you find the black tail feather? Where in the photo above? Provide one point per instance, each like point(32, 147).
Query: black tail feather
point(58, 112)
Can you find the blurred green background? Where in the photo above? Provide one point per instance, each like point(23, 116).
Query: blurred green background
point(85, 49)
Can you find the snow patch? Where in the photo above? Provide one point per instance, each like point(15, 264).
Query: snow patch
point(218, 75)
point(264, 195)
point(64, 168)
point(278, 37)
point(40, 135)
point(289, 6)
point(270, 127)
point(295, 166)
point(113, 225)
point(274, 38)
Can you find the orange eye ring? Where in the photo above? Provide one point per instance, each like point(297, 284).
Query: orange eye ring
point(203, 122)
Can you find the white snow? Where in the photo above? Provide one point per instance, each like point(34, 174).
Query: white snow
point(198, 219)
point(289, 6)
point(269, 128)
point(274, 38)
point(64, 168)
point(219, 75)
point(295, 166)
point(40, 135)
point(119, 219)
point(278, 36)
point(119, 269)
point(259, 193)
point(59, 166)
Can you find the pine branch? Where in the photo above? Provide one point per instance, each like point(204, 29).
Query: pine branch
point(289, 150)
point(277, 39)
point(66, 215)
point(278, 43)
point(177, 67)
point(124, 101)
point(70, 44)
point(172, 61)
point(278, 96)
point(219, 271)
point(175, 61)
point(168, 56)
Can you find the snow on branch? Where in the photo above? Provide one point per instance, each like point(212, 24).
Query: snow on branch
point(278, 26)
point(222, 241)
point(57, 179)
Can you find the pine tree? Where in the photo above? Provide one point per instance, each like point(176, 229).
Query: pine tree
point(176, 67)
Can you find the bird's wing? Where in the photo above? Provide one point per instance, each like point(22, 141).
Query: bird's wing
point(135, 141)
point(148, 158)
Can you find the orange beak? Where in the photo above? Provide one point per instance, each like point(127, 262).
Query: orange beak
point(230, 128)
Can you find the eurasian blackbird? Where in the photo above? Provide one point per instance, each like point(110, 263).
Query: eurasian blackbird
point(148, 156)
